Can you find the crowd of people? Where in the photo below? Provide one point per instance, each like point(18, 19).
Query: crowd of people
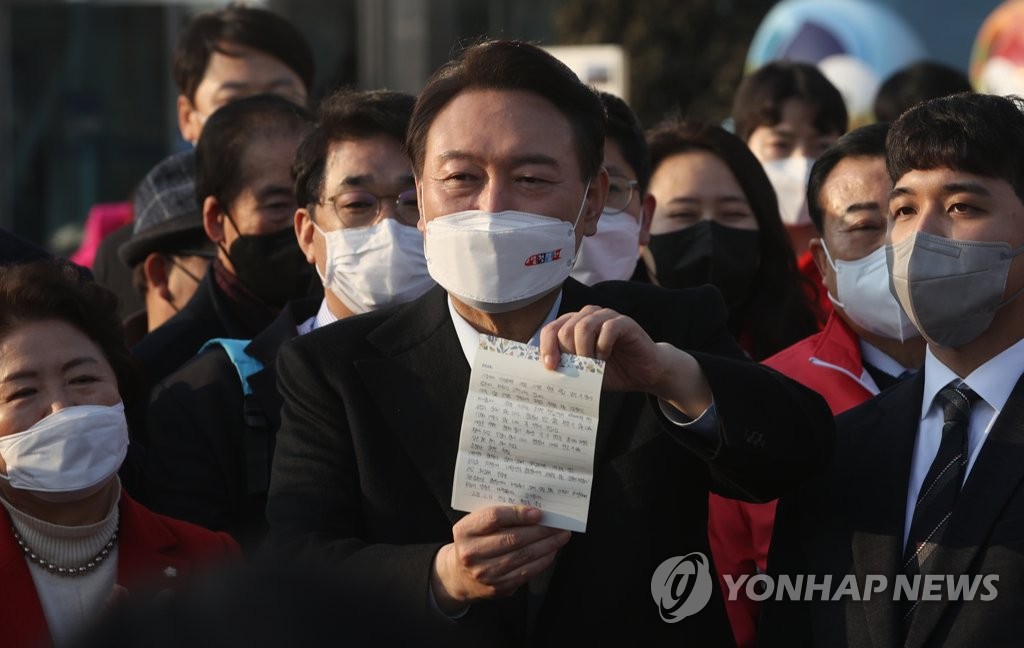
point(240, 427)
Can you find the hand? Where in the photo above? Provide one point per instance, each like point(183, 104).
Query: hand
point(634, 362)
point(495, 551)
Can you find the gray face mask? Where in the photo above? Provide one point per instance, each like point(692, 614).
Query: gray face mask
point(950, 289)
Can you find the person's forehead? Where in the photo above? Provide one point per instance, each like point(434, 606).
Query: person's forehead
point(488, 123)
point(947, 180)
point(615, 161)
point(380, 157)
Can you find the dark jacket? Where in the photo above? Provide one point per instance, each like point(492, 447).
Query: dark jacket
point(206, 316)
point(850, 521)
point(208, 459)
point(366, 455)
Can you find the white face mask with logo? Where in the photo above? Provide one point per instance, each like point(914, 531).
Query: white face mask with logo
point(68, 455)
point(498, 262)
point(611, 253)
point(371, 267)
point(789, 178)
point(864, 295)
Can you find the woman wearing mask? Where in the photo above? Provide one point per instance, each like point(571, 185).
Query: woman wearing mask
point(716, 221)
point(788, 114)
point(71, 540)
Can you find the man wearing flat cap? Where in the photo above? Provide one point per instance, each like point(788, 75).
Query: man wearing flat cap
point(168, 251)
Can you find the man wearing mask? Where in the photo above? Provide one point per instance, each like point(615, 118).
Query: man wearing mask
point(168, 251)
point(613, 251)
point(506, 144)
point(788, 114)
point(244, 186)
point(868, 343)
point(221, 56)
point(926, 481)
point(356, 225)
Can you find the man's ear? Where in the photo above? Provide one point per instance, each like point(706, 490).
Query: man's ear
point(817, 249)
point(304, 232)
point(646, 216)
point(597, 193)
point(154, 266)
point(213, 220)
point(188, 122)
point(421, 223)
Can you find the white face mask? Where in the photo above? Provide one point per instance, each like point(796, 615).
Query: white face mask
point(498, 262)
point(864, 295)
point(371, 267)
point(789, 178)
point(68, 455)
point(611, 253)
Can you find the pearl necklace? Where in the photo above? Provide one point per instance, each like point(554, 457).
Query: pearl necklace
point(66, 571)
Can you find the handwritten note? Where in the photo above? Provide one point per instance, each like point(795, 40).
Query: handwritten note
point(528, 434)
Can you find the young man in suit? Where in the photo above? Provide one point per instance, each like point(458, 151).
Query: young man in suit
point(925, 484)
point(211, 434)
point(507, 145)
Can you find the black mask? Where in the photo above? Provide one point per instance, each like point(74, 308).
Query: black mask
point(708, 252)
point(271, 266)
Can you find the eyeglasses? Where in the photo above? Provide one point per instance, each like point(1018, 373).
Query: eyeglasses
point(620, 194)
point(361, 208)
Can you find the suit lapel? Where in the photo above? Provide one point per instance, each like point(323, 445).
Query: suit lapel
point(264, 348)
point(145, 547)
point(420, 386)
point(885, 443)
point(995, 476)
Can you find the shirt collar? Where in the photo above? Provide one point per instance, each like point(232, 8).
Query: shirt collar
point(324, 316)
point(881, 360)
point(992, 381)
point(469, 337)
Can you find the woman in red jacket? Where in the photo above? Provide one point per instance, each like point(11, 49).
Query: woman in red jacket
point(71, 540)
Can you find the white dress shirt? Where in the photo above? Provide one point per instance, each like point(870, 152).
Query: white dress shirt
point(992, 382)
point(323, 317)
point(469, 337)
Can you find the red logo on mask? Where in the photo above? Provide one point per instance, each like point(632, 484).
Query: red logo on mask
point(544, 257)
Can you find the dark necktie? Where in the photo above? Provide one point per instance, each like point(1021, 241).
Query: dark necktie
point(941, 485)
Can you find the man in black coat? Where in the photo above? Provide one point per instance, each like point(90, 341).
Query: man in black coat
point(212, 422)
point(507, 147)
point(921, 510)
point(243, 186)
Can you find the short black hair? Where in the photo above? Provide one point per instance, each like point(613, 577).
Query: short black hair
point(346, 115)
point(258, 29)
point(977, 133)
point(866, 141)
point(624, 129)
point(758, 101)
point(514, 66)
point(220, 171)
point(915, 83)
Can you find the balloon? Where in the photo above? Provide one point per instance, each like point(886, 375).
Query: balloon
point(855, 43)
point(997, 58)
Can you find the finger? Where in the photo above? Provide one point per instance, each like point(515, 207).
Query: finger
point(567, 334)
point(587, 331)
point(493, 518)
point(508, 542)
point(615, 329)
point(549, 349)
point(531, 560)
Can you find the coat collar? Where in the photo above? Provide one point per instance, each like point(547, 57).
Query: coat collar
point(883, 440)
